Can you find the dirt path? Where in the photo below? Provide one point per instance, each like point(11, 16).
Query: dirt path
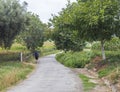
point(50, 76)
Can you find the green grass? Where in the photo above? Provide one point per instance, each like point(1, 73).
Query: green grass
point(75, 59)
point(12, 72)
point(106, 71)
point(86, 83)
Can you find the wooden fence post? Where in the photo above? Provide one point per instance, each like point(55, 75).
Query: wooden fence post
point(21, 57)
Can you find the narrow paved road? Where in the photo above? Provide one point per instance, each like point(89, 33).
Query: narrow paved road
point(50, 76)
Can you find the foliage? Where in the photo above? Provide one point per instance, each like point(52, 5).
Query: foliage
point(110, 54)
point(106, 71)
point(12, 20)
point(65, 38)
point(66, 41)
point(12, 72)
point(107, 67)
point(33, 34)
point(48, 31)
point(48, 48)
point(112, 45)
point(86, 82)
point(92, 20)
point(75, 59)
point(18, 47)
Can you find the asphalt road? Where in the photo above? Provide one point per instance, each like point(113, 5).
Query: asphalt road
point(50, 76)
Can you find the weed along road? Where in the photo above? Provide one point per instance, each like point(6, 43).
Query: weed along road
point(50, 76)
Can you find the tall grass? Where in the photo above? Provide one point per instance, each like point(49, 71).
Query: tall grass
point(75, 59)
point(12, 72)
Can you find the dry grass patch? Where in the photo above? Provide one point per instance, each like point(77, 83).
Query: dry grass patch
point(12, 72)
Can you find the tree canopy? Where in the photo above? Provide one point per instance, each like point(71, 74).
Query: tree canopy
point(65, 36)
point(92, 20)
point(33, 34)
point(12, 20)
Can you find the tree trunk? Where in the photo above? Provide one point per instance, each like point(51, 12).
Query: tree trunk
point(103, 51)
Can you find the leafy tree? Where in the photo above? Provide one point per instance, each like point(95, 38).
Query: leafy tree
point(66, 41)
point(33, 34)
point(48, 31)
point(65, 36)
point(12, 20)
point(95, 20)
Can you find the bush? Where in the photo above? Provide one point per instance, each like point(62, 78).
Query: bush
point(75, 59)
point(112, 45)
point(112, 56)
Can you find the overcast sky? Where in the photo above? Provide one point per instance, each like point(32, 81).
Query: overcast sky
point(44, 8)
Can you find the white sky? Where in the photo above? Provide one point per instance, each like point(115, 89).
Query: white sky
point(44, 8)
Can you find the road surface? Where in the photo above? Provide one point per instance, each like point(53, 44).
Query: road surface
point(50, 76)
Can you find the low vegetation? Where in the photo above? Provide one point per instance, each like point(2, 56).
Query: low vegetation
point(48, 48)
point(12, 72)
point(86, 83)
point(75, 59)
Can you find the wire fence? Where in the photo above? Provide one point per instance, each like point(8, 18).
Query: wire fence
point(15, 56)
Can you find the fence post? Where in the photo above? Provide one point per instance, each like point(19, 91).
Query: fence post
point(21, 57)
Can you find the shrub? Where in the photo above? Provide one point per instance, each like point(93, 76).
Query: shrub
point(112, 45)
point(74, 59)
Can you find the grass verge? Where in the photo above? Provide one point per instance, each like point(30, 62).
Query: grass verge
point(86, 83)
point(12, 72)
point(74, 59)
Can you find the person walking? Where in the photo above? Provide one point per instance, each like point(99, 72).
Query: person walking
point(36, 55)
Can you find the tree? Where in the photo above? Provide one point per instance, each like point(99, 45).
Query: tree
point(33, 34)
point(66, 41)
point(48, 31)
point(12, 20)
point(95, 20)
point(65, 36)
